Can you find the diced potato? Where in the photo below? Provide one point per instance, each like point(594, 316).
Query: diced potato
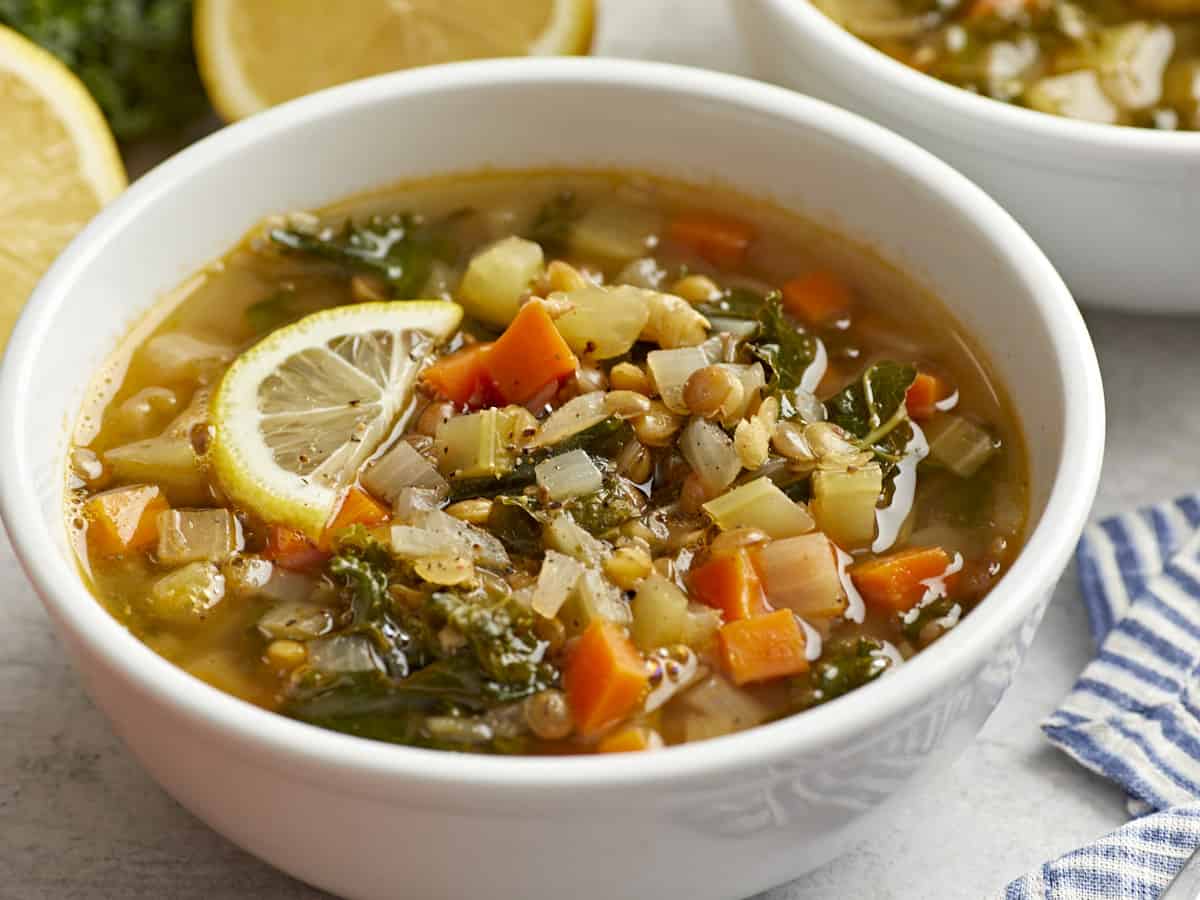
point(498, 277)
point(844, 504)
point(187, 595)
point(660, 613)
point(594, 598)
point(193, 535)
point(762, 505)
point(801, 573)
point(124, 519)
point(1076, 95)
point(614, 233)
point(604, 322)
point(179, 356)
point(475, 445)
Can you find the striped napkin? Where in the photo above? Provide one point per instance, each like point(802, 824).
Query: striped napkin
point(1134, 714)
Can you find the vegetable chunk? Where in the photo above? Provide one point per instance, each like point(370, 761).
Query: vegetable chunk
point(529, 355)
point(124, 519)
point(764, 647)
point(894, 583)
point(605, 678)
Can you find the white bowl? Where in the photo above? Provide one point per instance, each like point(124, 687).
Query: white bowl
point(1117, 209)
point(721, 818)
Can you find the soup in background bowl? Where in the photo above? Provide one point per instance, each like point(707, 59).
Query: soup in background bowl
point(721, 817)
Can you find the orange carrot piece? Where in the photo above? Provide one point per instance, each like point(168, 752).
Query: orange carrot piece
point(719, 239)
point(923, 395)
point(124, 519)
point(764, 647)
point(630, 740)
point(605, 677)
point(529, 355)
point(460, 377)
point(357, 508)
point(818, 298)
point(894, 583)
point(731, 584)
point(290, 548)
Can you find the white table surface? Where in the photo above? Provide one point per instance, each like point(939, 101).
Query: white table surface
point(79, 819)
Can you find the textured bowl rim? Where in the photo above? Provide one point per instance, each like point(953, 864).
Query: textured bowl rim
point(954, 101)
point(311, 752)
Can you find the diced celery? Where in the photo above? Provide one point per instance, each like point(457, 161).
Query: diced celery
point(614, 233)
point(1076, 95)
point(498, 277)
point(570, 474)
point(185, 596)
point(671, 369)
point(802, 574)
point(959, 444)
point(594, 598)
point(760, 504)
point(710, 453)
point(402, 467)
point(604, 322)
point(844, 504)
point(660, 613)
point(475, 445)
point(193, 535)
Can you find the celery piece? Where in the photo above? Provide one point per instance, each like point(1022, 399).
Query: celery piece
point(614, 233)
point(760, 504)
point(844, 504)
point(603, 322)
point(959, 444)
point(660, 613)
point(497, 278)
point(476, 445)
point(671, 369)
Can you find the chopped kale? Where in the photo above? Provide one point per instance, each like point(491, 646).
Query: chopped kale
point(736, 303)
point(871, 402)
point(844, 665)
point(613, 505)
point(512, 519)
point(785, 348)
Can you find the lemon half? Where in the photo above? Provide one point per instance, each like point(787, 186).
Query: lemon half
point(255, 55)
point(59, 164)
point(297, 414)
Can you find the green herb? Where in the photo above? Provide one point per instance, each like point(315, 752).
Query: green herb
point(915, 620)
point(844, 665)
point(782, 345)
point(134, 56)
point(513, 520)
point(396, 248)
point(554, 220)
point(872, 402)
point(613, 505)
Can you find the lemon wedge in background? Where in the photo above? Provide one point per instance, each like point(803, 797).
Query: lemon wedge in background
point(297, 414)
point(58, 165)
point(254, 55)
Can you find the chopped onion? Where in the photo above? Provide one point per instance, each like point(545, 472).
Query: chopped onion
point(457, 730)
point(484, 547)
point(296, 621)
point(409, 542)
point(555, 582)
point(801, 573)
point(595, 598)
point(194, 535)
point(253, 576)
point(412, 503)
point(343, 653)
point(574, 416)
point(567, 475)
point(760, 504)
point(671, 369)
point(741, 329)
point(563, 534)
point(710, 453)
point(402, 467)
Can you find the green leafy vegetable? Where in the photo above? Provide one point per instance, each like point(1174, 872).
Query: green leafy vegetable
point(275, 311)
point(613, 505)
point(912, 622)
point(873, 401)
point(735, 303)
point(134, 56)
point(553, 222)
point(782, 345)
point(844, 665)
point(397, 248)
point(513, 520)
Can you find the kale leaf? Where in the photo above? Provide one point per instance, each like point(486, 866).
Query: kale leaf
point(871, 401)
point(613, 505)
point(845, 664)
point(735, 303)
point(134, 56)
point(782, 345)
point(514, 521)
point(396, 248)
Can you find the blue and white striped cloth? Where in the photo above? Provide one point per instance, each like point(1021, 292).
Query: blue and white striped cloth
point(1134, 714)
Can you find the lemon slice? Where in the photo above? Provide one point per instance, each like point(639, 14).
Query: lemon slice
point(297, 414)
point(58, 166)
point(254, 55)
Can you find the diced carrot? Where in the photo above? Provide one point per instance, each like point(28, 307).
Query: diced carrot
point(605, 677)
point(719, 239)
point(925, 391)
point(356, 508)
point(764, 647)
point(461, 377)
point(731, 584)
point(291, 549)
point(529, 355)
point(631, 740)
point(818, 298)
point(124, 519)
point(894, 583)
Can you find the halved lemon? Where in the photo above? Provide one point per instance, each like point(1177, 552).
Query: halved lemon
point(58, 166)
point(254, 55)
point(297, 414)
